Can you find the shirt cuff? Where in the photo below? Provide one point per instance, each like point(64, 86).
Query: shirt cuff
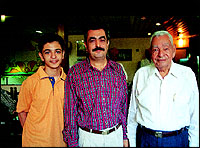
point(73, 144)
point(125, 137)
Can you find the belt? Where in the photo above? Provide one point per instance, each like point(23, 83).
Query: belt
point(106, 132)
point(160, 134)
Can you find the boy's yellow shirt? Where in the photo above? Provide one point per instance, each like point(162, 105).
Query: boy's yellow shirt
point(44, 105)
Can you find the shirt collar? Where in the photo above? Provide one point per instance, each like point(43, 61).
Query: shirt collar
point(110, 63)
point(173, 71)
point(43, 74)
point(63, 75)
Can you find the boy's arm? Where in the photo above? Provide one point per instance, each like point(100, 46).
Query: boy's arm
point(22, 118)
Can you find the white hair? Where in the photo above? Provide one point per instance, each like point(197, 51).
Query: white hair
point(161, 33)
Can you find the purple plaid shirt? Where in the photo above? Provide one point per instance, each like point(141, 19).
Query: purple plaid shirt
point(94, 99)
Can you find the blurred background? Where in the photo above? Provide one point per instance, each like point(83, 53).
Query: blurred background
point(129, 35)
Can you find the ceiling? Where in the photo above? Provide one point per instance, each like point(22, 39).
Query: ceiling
point(120, 26)
point(19, 29)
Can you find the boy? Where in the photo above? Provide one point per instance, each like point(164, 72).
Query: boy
point(41, 97)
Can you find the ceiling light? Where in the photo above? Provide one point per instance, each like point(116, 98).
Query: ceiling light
point(38, 31)
point(143, 18)
point(3, 18)
point(158, 24)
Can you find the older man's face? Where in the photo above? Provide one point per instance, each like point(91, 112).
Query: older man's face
point(162, 52)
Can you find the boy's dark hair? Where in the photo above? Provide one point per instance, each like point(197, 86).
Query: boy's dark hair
point(96, 26)
point(48, 38)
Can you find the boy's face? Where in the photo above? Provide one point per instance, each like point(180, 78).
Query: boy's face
point(52, 54)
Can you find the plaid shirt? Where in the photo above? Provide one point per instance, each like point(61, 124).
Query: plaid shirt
point(94, 99)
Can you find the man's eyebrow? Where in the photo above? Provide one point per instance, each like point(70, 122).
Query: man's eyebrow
point(92, 38)
point(154, 46)
point(101, 37)
point(164, 44)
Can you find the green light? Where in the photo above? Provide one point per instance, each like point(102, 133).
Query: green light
point(13, 80)
point(184, 60)
point(17, 118)
point(189, 55)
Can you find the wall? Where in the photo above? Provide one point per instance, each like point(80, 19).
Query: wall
point(134, 44)
point(120, 43)
point(73, 54)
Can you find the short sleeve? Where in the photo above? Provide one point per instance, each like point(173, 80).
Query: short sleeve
point(25, 97)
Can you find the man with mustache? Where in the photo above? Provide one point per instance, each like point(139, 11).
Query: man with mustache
point(164, 105)
point(95, 107)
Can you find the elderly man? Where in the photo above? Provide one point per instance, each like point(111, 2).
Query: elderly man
point(164, 106)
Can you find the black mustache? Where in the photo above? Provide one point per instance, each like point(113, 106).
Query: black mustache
point(98, 48)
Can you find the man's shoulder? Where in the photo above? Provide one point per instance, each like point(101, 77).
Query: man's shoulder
point(183, 70)
point(77, 68)
point(181, 67)
point(117, 66)
point(148, 68)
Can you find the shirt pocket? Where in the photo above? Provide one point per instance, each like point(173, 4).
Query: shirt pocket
point(181, 98)
point(181, 103)
point(114, 90)
point(146, 97)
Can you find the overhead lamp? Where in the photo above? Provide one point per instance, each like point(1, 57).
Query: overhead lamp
point(180, 30)
point(143, 18)
point(180, 42)
point(38, 31)
point(158, 24)
point(3, 18)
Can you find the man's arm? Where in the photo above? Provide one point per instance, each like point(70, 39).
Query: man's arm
point(70, 132)
point(131, 122)
point(125, 143)
point(22, 118)
point(123, 104)
point(194, 113)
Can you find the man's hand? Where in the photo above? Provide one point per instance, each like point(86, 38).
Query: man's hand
point(125, 143)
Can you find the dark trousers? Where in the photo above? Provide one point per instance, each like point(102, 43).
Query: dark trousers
point(144, 139)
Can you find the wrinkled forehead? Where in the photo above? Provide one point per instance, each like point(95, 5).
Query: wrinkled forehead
point(161, 45)
point(163, 40)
